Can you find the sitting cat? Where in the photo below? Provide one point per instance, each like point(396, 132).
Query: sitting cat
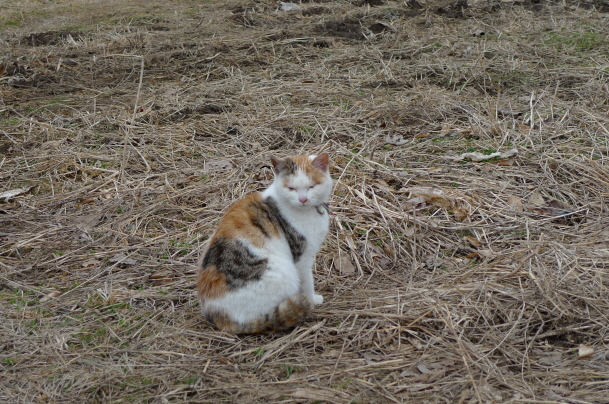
point(256, 273)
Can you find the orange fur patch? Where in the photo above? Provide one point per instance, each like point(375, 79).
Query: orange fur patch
point(304, 164)
point(211, 284)
point(238, 219)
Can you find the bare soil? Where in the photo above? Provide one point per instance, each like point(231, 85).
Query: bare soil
point(127, 128)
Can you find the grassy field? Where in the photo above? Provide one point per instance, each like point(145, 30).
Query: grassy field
point(468, 260)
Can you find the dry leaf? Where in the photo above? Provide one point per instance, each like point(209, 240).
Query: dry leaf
point(515, 203)
point(350, 242)
point(449, 199)
point(10, 194)
point(371, 359)
point(50, 296)
point(414, 203)
point(536, 199)
point(416, 343)
point(288, 6)
point(373, 250)
point(486, 253)
point(433, 196)
point(344, 265)
point(446, 129)
point(122, 260)
point(552, 359)
point(508, 112)
point(423, 368)
point(461, 214)
point(474, 242)
point(91, 263)
point(432, 262)
point(422, 135)
point(218, 165)
point(477, 156)
point(396, 140)
point(448, 362)
point(409, 232)
point(161, 277)
point(585, 351)
point(554, 203)
point(88, 222)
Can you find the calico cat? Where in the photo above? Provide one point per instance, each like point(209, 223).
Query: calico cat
point(256, 273)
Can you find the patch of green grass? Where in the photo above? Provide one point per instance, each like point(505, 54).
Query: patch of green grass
point(578, 41)
point(347, 225)
point(344, 384)
point(289, 370)
point(306, 129)
point(183, 246)
point(486, 152)
point(90, 336)
point(9, 122)
point(57, 102)
point(189, 380)
point(14, 20)
point(19, 300)
point(115, 307)
point(75, 28)
point(86, 337)
point(345, 104)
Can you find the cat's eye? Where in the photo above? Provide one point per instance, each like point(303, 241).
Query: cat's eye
point(292, 189)
point(312, 186)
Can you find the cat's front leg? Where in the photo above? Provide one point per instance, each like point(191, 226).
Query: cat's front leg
point(305, 267)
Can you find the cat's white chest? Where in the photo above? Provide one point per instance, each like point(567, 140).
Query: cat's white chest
point(313, 226)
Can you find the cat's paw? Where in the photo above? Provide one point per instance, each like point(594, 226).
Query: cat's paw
point(318, 299)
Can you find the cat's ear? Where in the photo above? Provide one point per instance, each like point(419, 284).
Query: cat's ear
point(321, 162)
point(281, 166)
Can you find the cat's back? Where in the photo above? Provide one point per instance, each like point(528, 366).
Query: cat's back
point(249, 218)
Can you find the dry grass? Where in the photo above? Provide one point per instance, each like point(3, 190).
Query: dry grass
point(461, 281)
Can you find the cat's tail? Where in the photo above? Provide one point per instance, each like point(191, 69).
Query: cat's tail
point(289, 313)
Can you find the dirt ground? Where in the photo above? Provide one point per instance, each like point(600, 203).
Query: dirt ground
point(468, 258)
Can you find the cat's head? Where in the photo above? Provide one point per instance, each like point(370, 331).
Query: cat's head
point(303, 181)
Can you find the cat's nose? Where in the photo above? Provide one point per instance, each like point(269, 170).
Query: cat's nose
point(302, 199)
